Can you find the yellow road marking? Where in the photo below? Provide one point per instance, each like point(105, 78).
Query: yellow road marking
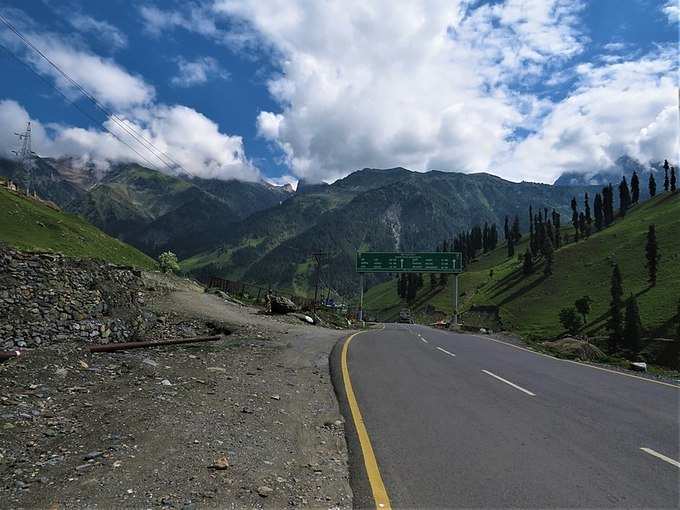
point(382, 501)
point(574, 362)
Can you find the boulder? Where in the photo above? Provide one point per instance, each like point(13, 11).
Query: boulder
point(303, 317)
point(574, 348)
point(638, 366)
point(281, 305)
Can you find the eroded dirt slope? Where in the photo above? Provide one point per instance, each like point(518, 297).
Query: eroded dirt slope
point(144, 428)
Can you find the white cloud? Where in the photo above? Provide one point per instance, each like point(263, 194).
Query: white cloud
point(98, 28)
point(423, 86)
point(621, 108)
point(103, 78)
point(192, 139)
point(189, 137)
point(672, 11)
point(197, 72)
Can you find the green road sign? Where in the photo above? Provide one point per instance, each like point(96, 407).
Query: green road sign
point(434, 262)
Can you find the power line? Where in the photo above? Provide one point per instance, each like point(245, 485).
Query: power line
point(140, 138)
point(77, 107)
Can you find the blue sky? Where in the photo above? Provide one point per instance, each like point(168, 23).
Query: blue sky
point(282, 90)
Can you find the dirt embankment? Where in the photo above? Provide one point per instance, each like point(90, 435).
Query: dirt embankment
point(154, 428)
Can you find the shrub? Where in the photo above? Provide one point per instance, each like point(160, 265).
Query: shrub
point(570, 320)
point(168, 262)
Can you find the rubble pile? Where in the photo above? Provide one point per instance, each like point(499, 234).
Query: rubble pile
point(46, 298)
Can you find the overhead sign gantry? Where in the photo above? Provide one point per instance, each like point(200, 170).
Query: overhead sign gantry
point(416, 262)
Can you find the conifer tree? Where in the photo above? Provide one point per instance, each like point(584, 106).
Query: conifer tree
point(652, 185)
point(632, 330)
point(635, 188)
point(548, 253)
point(624, 196)
point(666, 183)
point(557, 234)
point(582, 225)
point(511, 247)
point(506, 229)
point(528, 266)
point(597, 206)
point(608, 204)
point(589, 219)
point(575, 218)
point(677, 325)
point(516, 233)
point(615, 310)
point(652, 255)
point(673, 181)
point(531, 226)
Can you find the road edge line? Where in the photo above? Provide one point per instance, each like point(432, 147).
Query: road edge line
point(676, 386)
point(380, 497)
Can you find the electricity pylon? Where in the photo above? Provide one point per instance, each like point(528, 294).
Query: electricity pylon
point(25, 155)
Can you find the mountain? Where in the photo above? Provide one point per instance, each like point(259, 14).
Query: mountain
point(381, 210)
point(30, 224)
point(623, 166)
point(151, 210)
point(530, 305)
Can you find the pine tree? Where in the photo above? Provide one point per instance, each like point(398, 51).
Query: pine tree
point(632, 330)
point(608, 204)
point(506, 229)
point(624, 196)
point(528, 266)
point(531, 226)
point(589, 219)
point(597, 206)
point(516, 232)
point(652, 185)
point(511, 247)
point(635, 188)
point(615, 310)
point(548, 253)
point(673, 181)
point(557, 234)
point(677, 325)
point(666, 183)
point(652, 254)
point(574, 218)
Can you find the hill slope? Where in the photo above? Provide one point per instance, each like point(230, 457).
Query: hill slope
point(381, 210)
point(30, 225)
point(530, 305)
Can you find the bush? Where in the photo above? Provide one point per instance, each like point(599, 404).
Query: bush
point(570, 320)
point(168, 262)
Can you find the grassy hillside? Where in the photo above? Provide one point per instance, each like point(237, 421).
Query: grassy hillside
point(30, 225)
point(380, 210)
point(530, 305)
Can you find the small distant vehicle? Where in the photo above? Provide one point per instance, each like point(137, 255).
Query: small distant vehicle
point(405, 316)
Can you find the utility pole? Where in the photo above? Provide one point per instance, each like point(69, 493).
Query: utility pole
point(25, 155)
point(317, 256)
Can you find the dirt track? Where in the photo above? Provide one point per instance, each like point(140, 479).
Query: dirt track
point(143, 428)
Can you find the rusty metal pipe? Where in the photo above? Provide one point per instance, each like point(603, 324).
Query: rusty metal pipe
point(141, 345)
point(4, 356)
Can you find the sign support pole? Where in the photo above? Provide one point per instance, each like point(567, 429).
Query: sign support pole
point(455, 299)
point(361, 297)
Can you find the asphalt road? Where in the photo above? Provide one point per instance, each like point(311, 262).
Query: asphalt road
point(463, 421)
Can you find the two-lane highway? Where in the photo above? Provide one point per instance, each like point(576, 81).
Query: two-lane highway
point(464, 421)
